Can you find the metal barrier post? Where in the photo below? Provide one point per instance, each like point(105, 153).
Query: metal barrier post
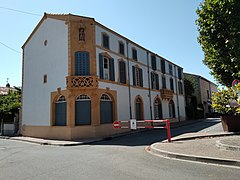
point(168, 130)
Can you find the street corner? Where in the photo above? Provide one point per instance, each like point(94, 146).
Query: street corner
point(218, 150)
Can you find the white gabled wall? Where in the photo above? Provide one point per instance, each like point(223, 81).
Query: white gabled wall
point(39, 60)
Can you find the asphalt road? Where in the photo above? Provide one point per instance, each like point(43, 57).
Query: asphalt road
point(120, 158)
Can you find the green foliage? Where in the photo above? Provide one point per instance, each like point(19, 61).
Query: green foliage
point(219, 35)
point(188, 85)
point(226, 101)
point(9, 104)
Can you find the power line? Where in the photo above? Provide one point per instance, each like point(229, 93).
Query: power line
point(10, 48)
point(24, 12)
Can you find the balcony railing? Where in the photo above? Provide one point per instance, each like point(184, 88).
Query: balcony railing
point(166, 94)
point(83, 82)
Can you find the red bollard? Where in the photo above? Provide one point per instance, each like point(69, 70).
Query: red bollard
point(168, 130)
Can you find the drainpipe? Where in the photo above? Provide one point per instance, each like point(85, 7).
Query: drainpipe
point(177, 94)
point(129, 87)
point(149, 90)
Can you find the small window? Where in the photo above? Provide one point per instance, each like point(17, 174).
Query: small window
point(170, 69)
point(44, 78)
point(153, 61)
point(81, 34)
point(134, 54)
point(105, 39)
point(121, 48)
point(45, 43)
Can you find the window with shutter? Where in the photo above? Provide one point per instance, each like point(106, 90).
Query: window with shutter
point(171, 84)
point(82, 63)
point(153, 60)
point(170, 69)
point(163, 66)
point(111, 70)
point(101, 66)
point(134, 54)
point(121, 48)
point(163, 82)
point(154, 81)
point(105, 40)
point(122, 71)
point(134, 75)
point(140, 77)
point(137, 76)
point(180, 88)
point(106, 68)
point(179, 73)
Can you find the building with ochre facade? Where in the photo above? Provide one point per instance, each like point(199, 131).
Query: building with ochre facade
point(80, 76)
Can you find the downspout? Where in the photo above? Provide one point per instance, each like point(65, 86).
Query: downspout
point(129, 87)
point(149, 90)
point(177, 94)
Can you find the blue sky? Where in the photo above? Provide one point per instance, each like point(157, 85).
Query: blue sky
point(166, 27)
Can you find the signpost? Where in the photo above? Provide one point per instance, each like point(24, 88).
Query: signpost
point(116, 125)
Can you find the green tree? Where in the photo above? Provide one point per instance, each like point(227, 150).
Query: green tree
point(9, 105)
point(219, 35)
point(188, 85)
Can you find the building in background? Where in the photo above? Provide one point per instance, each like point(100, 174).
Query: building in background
point(203, 90)
point(79, 76)
point(9, 125)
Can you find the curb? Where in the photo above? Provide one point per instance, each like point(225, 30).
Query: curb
point(206, 159)
point(200, 136)
point(227, 147)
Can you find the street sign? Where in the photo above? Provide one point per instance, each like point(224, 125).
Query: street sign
point(133, 124)
point(116, 125)
point(235, 82)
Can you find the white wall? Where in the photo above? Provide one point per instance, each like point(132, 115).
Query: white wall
point(39, 60)
point(122, 91)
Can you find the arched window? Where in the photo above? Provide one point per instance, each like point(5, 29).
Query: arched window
point(137, 76)
point(157, 109)
point(171, 109)
point(83, 97)
point(138, 108)
point(106, 109)
point(60, 111)
point(83, 110)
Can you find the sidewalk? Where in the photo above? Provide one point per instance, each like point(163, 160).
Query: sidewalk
point(85, 141)
point(217, 148)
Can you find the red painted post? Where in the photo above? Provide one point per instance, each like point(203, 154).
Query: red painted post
point(168, 130)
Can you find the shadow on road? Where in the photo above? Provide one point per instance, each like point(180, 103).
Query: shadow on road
point(148, 137)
